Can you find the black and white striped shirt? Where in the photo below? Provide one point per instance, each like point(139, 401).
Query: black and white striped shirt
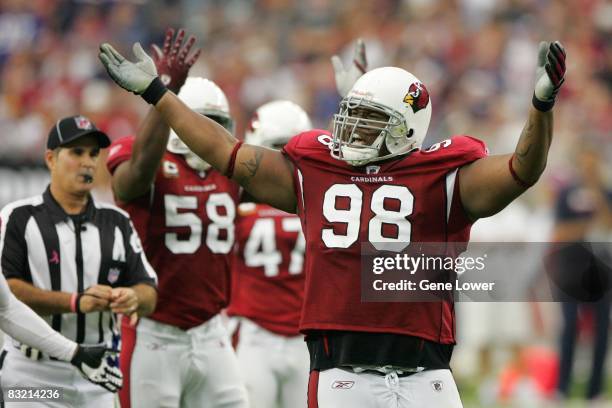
point(42, 245)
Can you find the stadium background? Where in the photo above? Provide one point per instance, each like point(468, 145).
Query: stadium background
point(477, 58)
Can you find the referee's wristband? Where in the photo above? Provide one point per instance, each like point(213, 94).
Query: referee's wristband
point(154, 91)
point(542, 106)
point(75, 301)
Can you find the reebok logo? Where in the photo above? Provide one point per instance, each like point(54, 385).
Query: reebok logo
point(342, 385)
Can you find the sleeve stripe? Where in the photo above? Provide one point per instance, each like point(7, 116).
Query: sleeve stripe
point(301, 187)
point(5, 218)
point(450, 188)
point(148, 268)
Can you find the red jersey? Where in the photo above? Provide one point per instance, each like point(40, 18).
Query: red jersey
point(267, 267)
point(414, 198)
point(187, 227)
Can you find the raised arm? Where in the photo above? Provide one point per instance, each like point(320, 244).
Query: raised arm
point(490, 184)
point(134, 177)
point(347, 76)
point(264, 173)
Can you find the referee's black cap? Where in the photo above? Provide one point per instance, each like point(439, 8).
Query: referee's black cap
point(72, 128)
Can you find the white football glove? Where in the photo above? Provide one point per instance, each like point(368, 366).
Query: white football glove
point(93, 363)
point(550, 74)
point(346, 78)
point(131, 76)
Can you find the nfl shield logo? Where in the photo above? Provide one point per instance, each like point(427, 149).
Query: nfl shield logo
point(372, 169)
point(437, 385)
point(83, 123)
point(170, 169)
point(113, 275)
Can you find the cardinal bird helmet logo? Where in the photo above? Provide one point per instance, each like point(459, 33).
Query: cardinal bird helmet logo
point(417, 96)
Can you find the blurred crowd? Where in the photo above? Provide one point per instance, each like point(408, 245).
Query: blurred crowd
point(476, 57)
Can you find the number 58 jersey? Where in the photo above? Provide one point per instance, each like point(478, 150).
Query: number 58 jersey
point(414, 198)
point(186, 223)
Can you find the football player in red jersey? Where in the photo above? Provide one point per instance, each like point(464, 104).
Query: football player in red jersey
point(268, 279)
point(184, 210)
point(370, 354)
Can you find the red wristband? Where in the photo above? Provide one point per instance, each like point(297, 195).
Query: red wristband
point(73, 302)
point(232, 161)
point(515, 176)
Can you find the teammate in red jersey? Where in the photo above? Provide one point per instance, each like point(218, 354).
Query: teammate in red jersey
point(369, 181)
point(268, 279)
point(184, 211)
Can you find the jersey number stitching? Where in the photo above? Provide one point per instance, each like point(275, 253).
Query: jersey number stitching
point(351, 217)
point(260, 249)
point(218, 222)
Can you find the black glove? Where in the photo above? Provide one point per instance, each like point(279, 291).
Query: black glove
point(550, 75)
point(92, 362)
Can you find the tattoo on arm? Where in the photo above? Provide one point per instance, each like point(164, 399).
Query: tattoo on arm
point(522, 152)
point(525, 143)
point(532, 149)
point(252, 165)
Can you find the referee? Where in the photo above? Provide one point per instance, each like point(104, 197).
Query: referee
point(75, 261)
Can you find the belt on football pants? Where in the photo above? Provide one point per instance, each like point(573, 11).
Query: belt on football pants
point(383, 371)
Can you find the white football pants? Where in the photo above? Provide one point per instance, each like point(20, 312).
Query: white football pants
point(20, 371)
point(338, 388)
point(275, 367)
point(195, 368)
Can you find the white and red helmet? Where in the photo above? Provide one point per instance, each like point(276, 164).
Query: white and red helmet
point(400, 97)
point(274, 123)
point(205, 97)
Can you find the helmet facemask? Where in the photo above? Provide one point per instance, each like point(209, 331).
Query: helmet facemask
point(352, 133)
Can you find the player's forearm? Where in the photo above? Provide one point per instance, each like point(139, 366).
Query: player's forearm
point(147, 298)
point(147, 153)
point(22, 324)
point(206, 138)
point(488, 185)
point(149, 146)
point(531, 152)
point(43, 302)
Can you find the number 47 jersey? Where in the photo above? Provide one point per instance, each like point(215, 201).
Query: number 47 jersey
point(414, 198)
point(186, 223)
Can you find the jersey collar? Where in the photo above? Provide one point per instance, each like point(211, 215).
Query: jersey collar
point(57, 212)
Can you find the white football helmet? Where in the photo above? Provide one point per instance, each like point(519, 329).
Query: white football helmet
point(274, 123)
point(392, 93)
point(205, 97)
